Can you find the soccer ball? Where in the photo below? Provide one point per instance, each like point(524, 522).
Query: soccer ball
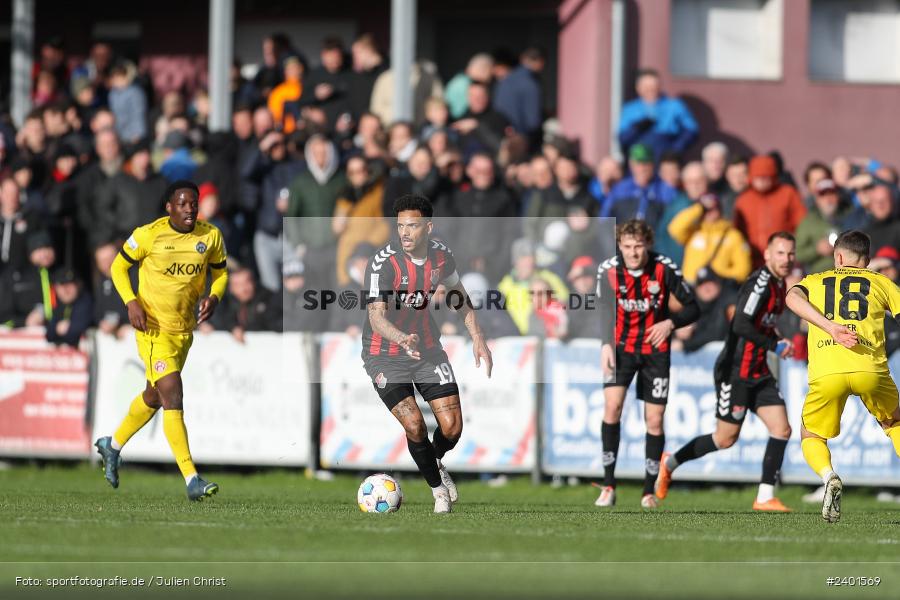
point(379, 494)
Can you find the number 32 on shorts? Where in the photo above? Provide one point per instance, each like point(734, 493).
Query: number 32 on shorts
point(660, 387)
point(444, 372)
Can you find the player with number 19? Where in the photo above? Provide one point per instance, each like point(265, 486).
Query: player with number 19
point(402, 346)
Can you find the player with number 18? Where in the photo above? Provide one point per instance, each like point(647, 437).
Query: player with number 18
point(845, 308)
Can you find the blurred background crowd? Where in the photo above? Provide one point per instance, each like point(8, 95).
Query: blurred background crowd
point(313, 138)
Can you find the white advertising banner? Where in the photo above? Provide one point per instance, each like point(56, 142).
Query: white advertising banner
point(499, 414)
point(244, 404)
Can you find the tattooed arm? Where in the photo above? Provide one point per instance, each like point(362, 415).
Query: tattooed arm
point(382, 326)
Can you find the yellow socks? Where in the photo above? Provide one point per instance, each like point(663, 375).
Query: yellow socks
point(817, 456)
point(173, 426)
point(138, 416)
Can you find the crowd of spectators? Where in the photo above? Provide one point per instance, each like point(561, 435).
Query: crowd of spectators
point(303, 183)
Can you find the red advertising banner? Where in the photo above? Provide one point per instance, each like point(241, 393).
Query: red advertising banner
point(43, 397)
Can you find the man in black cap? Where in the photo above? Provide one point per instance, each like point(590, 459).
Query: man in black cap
point(26, 300)
point(72, 312)
point(714, 297)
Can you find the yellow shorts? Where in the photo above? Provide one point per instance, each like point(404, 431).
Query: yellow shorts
point(827, 396)
point(163, 353)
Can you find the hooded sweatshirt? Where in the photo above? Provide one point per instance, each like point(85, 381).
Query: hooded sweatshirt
point(314, 193)
point(758, 215)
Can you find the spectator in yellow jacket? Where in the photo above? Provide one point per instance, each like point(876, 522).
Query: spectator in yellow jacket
point(516, 286)
point(710, 240)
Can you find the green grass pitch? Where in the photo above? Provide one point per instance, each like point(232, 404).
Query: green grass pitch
point(278, 534)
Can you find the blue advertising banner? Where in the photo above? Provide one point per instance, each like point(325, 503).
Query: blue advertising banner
point(573, 413)
point(861, 454)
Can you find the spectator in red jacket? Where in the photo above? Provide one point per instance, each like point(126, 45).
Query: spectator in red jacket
point(766, 206)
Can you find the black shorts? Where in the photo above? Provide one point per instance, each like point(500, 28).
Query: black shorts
point(735, 396)
point(394, 377)
point(652, 371)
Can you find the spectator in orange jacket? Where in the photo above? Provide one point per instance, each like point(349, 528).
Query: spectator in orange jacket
point(288, 91)
point(766, 206)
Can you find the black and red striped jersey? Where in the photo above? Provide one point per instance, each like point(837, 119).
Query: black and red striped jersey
point(406, 285)
point(752, 332)
point(642, 300)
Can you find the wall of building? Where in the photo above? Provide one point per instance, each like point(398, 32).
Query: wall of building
point(804, 119)
point(584, 74)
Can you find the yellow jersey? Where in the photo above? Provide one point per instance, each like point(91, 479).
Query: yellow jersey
point(857, 298)
point(172, 273)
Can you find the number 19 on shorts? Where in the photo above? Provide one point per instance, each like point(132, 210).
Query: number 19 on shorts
point(445, 373)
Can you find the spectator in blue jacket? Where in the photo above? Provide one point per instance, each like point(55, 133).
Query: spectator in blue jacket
point(518, 96)
point(177, 162)
point(663, 123)
point(641, 195)
point(607, 175)
point(128, 103)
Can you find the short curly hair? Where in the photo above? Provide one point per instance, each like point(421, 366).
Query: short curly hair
point(635, 228)
point(176, 186)
point(414, 202)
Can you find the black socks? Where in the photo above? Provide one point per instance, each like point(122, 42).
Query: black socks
point(441, 444)
point(610, 435)
point(653, 449)
point(772, 460)
point(423, 453)
point(697, 447)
